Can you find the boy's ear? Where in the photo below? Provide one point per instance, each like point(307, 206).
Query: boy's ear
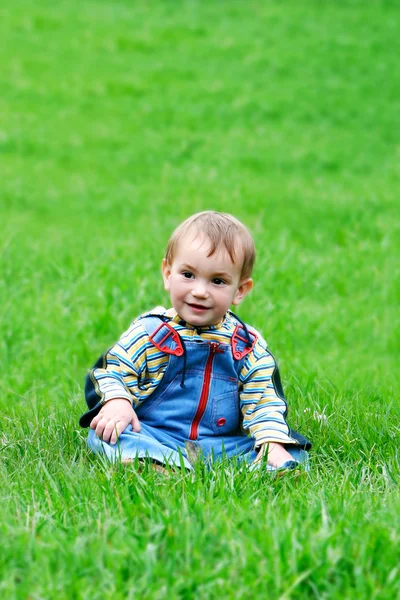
point(244, 288)
point(166, 273)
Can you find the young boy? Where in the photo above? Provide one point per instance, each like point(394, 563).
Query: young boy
point(194, 380)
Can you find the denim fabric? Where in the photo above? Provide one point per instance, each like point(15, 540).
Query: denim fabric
point(163, 448)
point(170, 417)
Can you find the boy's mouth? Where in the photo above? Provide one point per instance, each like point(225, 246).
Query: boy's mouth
point(197, 307)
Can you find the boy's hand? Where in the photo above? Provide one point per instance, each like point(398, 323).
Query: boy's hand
point(277, 455)
point(113, 419)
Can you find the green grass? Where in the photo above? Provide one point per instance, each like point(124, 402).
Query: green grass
point(117, 120)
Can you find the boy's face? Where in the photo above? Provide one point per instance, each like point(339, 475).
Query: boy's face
point(201, 287)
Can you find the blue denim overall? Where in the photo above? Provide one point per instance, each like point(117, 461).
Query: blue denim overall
point(197, 402)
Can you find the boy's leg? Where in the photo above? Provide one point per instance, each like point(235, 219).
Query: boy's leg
point(149, 443)
point(215, 449)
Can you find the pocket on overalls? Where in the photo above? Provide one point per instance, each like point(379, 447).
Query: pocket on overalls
point(225, 413)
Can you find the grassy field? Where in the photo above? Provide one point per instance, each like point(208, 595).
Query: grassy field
point(117, 120)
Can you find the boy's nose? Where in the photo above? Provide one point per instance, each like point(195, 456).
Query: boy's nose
point(200, 290)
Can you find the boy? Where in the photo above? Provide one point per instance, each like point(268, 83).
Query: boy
point(194, 380)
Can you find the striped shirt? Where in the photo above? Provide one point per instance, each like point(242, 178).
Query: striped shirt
point(134, 367)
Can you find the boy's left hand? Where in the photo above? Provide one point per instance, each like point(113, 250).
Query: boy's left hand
point(277, 454)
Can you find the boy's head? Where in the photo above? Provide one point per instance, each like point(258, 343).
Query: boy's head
point(207, 266)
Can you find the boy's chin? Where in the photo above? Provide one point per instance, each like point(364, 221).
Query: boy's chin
point(199, 323)
point(199, 320)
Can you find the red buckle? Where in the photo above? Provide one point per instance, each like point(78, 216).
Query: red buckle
point(236, 339)
point(161, 345)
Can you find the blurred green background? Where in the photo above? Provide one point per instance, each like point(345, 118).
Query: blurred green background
point(118, 119)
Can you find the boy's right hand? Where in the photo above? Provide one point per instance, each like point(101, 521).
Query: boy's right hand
point(113, 419)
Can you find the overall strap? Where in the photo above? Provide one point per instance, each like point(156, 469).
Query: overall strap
point(243, 341)
point(162, 335)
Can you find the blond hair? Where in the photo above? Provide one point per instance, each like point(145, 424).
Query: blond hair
point(221, 229)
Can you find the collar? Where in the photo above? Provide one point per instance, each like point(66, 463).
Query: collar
point(170, 313)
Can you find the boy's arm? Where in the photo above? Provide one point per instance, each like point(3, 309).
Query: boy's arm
point(263, 408)
point(112, 386)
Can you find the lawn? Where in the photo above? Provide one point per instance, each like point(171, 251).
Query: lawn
point(117, 120)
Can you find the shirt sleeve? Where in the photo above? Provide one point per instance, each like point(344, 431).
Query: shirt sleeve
point(124, 371)
point(264, 410)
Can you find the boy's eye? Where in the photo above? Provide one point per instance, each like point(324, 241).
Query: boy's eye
point(218, 281)
point(187, 274)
